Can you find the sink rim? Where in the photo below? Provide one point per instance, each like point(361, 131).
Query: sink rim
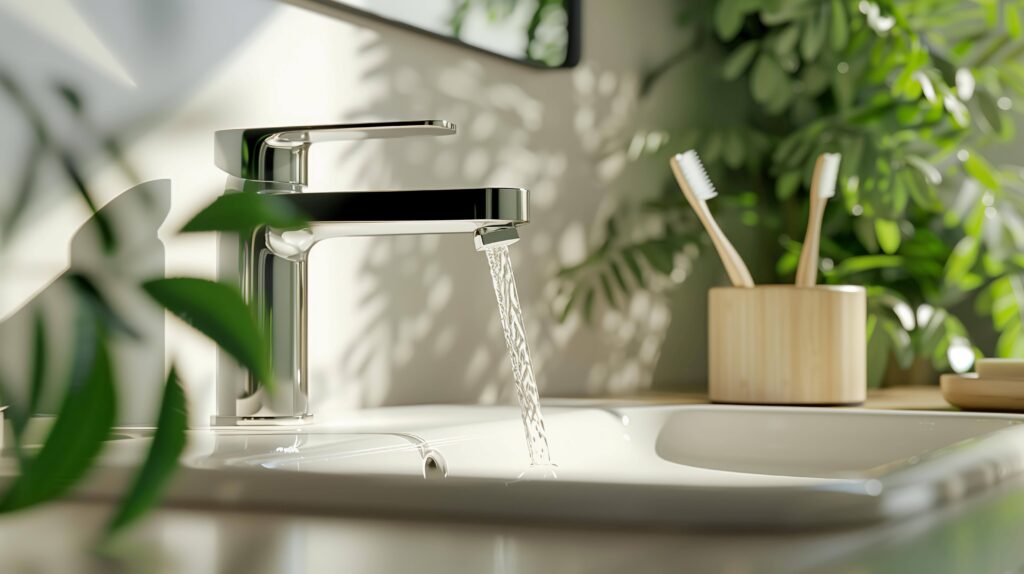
point(839, 502)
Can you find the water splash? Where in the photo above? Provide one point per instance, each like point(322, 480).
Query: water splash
point(519, 352)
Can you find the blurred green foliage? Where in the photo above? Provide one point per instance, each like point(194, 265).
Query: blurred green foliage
point(918, 96)
point(546, 36)
point(86, 416)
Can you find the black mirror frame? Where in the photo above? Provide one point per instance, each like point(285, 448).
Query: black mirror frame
point(573, 46)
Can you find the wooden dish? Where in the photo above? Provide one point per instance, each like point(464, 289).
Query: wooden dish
point(973, 394)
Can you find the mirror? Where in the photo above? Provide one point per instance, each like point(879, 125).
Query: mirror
point(541, 33)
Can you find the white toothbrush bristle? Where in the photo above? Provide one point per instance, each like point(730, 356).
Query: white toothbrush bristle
point(829, 174)
point(696, 176)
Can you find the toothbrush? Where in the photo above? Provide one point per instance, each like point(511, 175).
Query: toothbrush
point(698, 189)
point(823, 186)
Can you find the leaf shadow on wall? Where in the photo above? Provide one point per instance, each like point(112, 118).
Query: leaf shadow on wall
point(167, 50)
point(427, 330)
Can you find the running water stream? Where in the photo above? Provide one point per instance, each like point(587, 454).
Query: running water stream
point(519, 353)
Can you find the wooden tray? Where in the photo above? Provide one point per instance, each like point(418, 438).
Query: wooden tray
point(971, 393)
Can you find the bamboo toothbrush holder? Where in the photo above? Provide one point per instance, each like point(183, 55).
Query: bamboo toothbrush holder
point(787, 345)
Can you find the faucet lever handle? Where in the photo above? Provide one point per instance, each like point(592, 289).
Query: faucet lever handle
point(280, 153)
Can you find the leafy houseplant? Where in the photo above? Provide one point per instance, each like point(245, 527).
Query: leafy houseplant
point(918, 96)
point(545, 41)
point(86, 415)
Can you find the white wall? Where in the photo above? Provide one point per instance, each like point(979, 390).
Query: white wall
point(395, 320)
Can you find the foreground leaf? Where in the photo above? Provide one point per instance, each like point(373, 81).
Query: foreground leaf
point(99, 218)
point(19, 411)
point(38, 376)
point(219, 312)
point(83, 423)
point(244, 211)
point(18, 417)
point(162, 460)
point(89, 293)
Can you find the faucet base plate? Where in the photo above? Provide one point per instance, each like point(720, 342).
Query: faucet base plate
point(257, 420)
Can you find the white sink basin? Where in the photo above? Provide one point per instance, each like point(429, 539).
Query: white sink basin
point(672, 465)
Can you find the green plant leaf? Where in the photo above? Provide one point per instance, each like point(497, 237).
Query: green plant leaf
point(162, 459)
point(787, 263)
point(83, 423)
point(990, 111)
point(975, 220)
point(813, 38)
point(18, 416)
point(243, 211)
point(879, 348)
point(840, 31)
point(787, 184)
point(1011, 343)
point(786, 40)
point(103, 225)
point(789, 153)
point(713, 146)
point(38, 377)
point(844, 89)
point(814, 80)
point(862, 263)
point(888, 234)
point(219, 312)
point(18, 413)
point(902, 347)
point(980, 170)
point(1011, 15)
point(91, 295)
point(735, 149)
point(740, 60)
point(779, 12)
point(898, 196)
point(928, 171)
point(1004, 312)
point(768, 81)
point(865, 233)
point(962, 260)
point(729, 16)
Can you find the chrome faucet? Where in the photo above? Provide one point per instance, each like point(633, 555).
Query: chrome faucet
point(270, 266)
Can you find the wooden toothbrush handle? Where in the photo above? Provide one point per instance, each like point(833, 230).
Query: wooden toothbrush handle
point(807, 269)
point(738, 273)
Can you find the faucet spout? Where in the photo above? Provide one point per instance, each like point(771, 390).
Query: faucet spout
point(491, 237)
point(410, 212)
